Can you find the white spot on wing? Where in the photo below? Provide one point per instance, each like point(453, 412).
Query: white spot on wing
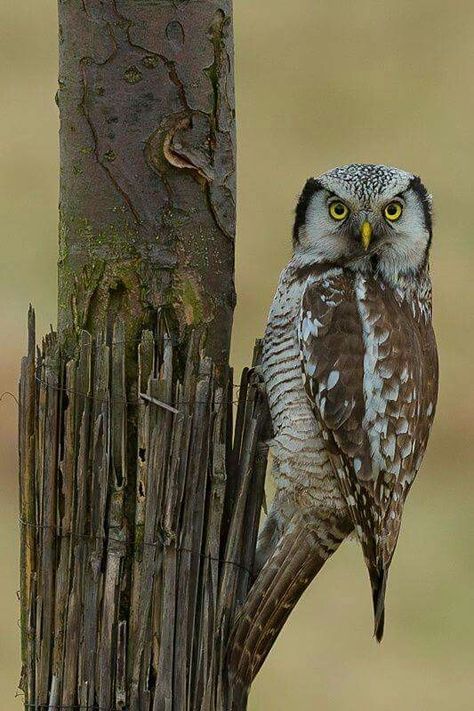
point(389, 446)
point(333, 379)
point(406, 450)
point(402, 426)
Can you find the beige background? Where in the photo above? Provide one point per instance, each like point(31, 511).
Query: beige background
point(318, 84)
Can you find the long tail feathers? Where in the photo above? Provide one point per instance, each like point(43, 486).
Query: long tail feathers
point(296, 560)
point(378, 579)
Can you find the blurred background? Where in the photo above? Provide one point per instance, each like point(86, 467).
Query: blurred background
point(318, 84)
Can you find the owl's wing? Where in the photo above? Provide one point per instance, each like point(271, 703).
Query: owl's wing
point(370, 371)
point(332, 356)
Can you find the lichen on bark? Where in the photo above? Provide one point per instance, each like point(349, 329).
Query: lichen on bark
point(147, 194)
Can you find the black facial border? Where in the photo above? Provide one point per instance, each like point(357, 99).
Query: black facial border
point(310, 189)
point(417, 186)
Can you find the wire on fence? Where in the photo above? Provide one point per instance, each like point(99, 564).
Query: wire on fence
point(60, 533)
point(7, 392)
point(91, 396)
point(69, 707)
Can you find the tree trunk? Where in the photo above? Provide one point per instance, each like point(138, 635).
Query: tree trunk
point(139, 508)
point(147, 196)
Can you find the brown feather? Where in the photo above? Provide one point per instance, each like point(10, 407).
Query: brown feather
point(370, 369)
point(298, 557)
point(378, 579)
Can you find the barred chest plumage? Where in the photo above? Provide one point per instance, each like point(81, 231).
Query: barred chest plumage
point(281, 355)
point(298, 445)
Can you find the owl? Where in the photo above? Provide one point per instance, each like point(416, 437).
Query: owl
point(351, 374)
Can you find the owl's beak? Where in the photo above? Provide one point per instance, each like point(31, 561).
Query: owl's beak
point(366, 234)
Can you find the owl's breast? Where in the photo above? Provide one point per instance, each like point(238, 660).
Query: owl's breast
point(297, 443)
point(281, 361)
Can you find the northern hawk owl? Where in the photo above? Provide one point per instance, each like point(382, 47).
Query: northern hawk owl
point(351, 373)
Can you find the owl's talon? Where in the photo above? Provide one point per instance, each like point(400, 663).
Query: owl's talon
point(256, 370)
point(257, 380)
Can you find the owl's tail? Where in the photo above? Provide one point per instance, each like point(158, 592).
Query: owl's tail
point(378, 580)
point(378, 559)
point(298, 557)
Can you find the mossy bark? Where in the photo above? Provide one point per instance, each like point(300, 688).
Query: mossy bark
point(147, 190)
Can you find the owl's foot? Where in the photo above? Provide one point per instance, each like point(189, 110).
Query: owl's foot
point(256, 378)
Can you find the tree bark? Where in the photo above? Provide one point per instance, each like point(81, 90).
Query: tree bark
point(147, 194)
point(139, 508)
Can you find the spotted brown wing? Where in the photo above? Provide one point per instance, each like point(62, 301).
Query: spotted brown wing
point(332, 352)
point(370, 370)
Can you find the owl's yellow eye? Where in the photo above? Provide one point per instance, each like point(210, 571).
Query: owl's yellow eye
point(338, 211)
point(393, 211)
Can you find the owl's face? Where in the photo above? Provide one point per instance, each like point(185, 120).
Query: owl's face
point(365, 215)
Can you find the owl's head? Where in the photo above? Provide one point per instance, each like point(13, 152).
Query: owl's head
point(363, 215)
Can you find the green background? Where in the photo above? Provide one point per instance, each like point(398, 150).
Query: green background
point(318, 84)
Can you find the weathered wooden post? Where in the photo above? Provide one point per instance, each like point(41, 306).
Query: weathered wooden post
point(139, 510)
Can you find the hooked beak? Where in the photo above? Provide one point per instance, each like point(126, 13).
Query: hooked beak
point(366, 234)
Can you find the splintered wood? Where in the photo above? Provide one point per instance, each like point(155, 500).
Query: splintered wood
point(139, 512)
